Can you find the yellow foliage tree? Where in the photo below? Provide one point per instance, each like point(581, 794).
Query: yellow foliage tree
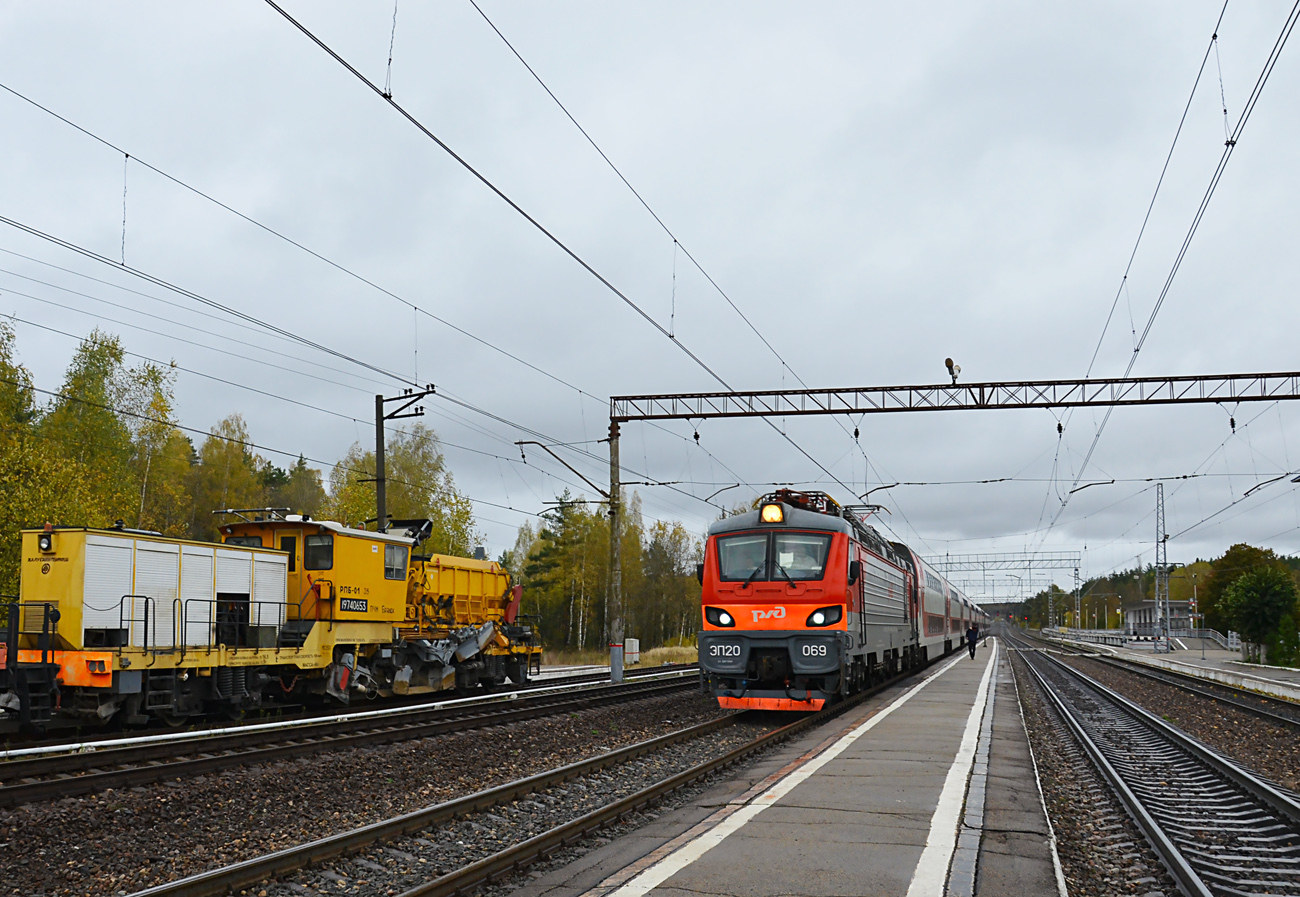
point(418, 486)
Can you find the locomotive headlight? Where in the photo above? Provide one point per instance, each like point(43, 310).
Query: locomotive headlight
point(716, 616)
point(772, 514)
point(826, 616)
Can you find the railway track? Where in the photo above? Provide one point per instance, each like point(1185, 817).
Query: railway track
point(16, 740)
point(58, 775)
point(1275, 710)
point(1219, 829)
point(511, 859)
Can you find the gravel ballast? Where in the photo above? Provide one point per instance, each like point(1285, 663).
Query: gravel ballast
point(399, 865)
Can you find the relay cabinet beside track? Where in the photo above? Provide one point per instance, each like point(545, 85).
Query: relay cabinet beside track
point(119, 624)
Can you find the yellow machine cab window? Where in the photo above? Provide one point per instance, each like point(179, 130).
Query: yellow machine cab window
point(395, 561)
point(318, 552)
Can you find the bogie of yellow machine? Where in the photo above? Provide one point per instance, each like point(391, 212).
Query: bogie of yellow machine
point(116, 623)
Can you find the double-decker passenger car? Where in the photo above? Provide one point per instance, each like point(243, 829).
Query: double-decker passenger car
point(803, 601)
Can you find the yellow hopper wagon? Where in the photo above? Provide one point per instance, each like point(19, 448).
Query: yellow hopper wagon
point(131, 625)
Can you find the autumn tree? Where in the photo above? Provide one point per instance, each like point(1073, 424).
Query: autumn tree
point(418, 485)
point(226, 476)
point(86, 427)
point(1257, 601)
point(37, 485)
point(666, 607)
point(299, 488)
point(1237, 561)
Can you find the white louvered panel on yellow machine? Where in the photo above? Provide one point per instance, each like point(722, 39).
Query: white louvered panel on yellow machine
point(157, 586)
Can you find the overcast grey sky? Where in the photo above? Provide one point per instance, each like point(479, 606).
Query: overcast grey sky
point(876, 186)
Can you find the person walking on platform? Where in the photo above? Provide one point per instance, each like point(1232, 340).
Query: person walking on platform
point(972, 636)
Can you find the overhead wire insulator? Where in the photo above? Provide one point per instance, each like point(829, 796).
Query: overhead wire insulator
point(1232, 422)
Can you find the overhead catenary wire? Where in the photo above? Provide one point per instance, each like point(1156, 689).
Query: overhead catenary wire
point(585, 395)
point(1256, 92)
point(1123, 284)
point(641, 199)
point(271, 364)
point(564, 247)
point(464, 163)
point(449, 397)
point(211, 303)
point(302, 247)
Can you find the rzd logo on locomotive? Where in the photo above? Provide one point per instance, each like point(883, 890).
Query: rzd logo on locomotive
point(776, 613)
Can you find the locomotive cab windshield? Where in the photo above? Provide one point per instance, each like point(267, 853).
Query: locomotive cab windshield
point(748, 557)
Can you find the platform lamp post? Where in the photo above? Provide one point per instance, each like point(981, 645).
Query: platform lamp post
point(1196, 610)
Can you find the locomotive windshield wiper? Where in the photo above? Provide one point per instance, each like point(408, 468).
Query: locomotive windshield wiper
point(751, 576)
point(786, 575)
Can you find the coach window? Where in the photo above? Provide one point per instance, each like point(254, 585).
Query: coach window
point(742, 558)
point(318, 552)
point(801, 555)
point(394, 562)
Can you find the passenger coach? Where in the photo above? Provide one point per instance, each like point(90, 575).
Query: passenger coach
point(803, 602)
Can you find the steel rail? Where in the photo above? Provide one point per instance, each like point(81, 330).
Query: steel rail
point(1169, 677)
point(1279, 804)
point(238, 750)
point(250, 872)
point(1203, 687)
point(512, 859)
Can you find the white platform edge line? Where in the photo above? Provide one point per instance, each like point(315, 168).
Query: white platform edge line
point(931, 874)
point(1061, 889)
point(688, 853)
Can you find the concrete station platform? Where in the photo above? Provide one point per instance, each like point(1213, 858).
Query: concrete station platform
point(926, 789)
point(1214, 664)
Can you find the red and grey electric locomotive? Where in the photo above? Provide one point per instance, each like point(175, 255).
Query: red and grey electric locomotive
point(803, 602)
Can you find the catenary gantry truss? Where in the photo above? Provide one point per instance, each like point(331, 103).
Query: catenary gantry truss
point(959, 397)
point(1215, 388)
point(1008, 560)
